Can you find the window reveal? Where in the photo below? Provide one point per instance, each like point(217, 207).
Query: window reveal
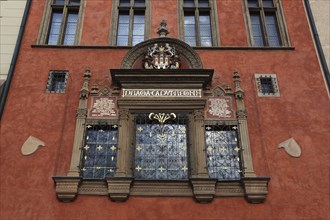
point(161, 146)
point(57, 81)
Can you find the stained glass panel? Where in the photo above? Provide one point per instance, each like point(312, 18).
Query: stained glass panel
point(100, 151)
point(161, 147)
point(223, 160)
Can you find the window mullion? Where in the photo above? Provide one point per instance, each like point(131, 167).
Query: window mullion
point(197, 24)
point(130, 32)
point(264, 28)
point(63, 24)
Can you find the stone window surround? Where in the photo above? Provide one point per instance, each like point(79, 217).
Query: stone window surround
point(114, 21)
point(46, 22)
point(274, 82)
point(202, 188)
point(50, 81)
point(283, 30)
point(213, 18)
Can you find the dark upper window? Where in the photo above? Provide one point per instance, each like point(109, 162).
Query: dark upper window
point(267, 85)
point(100, 151)
point(266, 27)
point(63, 22)
point(198, 23)
point(131, 23)
point(57, 81)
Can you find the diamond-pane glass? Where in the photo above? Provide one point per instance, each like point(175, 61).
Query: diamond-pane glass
point(252, 3)
point(138, 29)
point(203, 3)
point(70, 29)
point(223, 160)
point(272, 31)
point(256, 30)
point(268, 3)
point(100, 151)
point(161, 148)
point(59, 2)
point(188, 3)
point(124, 3)
point(139, 3)
point(123, 29)
point(55, 28)
point(74, 2)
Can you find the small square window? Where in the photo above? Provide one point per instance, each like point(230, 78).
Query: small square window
point(57, 81)
point(267, 85)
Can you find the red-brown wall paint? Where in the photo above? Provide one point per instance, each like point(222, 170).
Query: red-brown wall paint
point(299, 187)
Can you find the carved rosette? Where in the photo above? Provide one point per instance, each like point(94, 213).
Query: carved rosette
point(203, 189)
point(66, 187)
point(256, 188)
point(119, 188)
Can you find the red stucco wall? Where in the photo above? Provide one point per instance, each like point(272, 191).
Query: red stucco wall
point(299, 187)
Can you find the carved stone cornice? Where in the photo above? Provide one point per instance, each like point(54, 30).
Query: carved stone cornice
point(203, 189)
point(119, 188)
point(66, 187)
point(256, 188)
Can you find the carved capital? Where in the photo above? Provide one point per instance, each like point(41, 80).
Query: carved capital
point(81, 113)
point(203, 189)
point(123, 114)
point(256, 188)
point(241, 114)
point(198, 115)
point(67, 187)
point(119, 188)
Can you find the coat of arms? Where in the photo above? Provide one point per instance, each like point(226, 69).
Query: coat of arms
point(161, 57)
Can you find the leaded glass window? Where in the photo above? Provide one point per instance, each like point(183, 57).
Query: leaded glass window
point(131, 22)
point(223, 152)
point(100, 151)
point(267, 85)
point(264, 23)
point(197, 23)
point(63, 22)
point(161, 146)
point(57, 80)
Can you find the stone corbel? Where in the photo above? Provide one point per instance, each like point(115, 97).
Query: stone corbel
point(119, 188)
point(255, 188)
point(67, 187)
point(203, 189)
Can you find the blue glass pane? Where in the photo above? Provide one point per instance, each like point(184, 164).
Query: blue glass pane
point(272, 31)
point(138, 29)
point(204, 19)
point(55, 28)
point(137, 39)
point(139, 19)
point(206, 41)
point(189, 19)
point(122, 40)
point(123, 29)
point(139, 3)
point(190, 40)
point(203, 3)
point(268, 3)
point(252, 3)
point(223, 159)
point(189, 30)
point(124, 3)
point(74, 2)
point(257, 30)
point(205, 31)
point(70, 29)
point(59, 2)
point(123, 18)
point(100, 151)
point(161, 148)
point(188, 3)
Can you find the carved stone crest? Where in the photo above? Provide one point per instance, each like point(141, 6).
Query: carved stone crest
point(104, 107)
point(161, 57)
point(219, 108)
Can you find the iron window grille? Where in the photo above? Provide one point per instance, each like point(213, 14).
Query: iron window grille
point(99, 151)
point(267, 85)
point(131, 22)
point(197, 23)
point(57, 81)
point(265, 23)
point(223, 152)
point(63, 23)
point(161, 146)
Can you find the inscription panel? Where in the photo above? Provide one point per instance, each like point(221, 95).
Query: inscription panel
point(164, 93)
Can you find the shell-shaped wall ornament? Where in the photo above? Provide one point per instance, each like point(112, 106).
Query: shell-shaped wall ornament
point(31, 145)
point(291, 147)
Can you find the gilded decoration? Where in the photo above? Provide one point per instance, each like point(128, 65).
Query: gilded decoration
point(161, 56)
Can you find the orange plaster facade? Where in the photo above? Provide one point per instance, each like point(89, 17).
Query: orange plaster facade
point(299, 187)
